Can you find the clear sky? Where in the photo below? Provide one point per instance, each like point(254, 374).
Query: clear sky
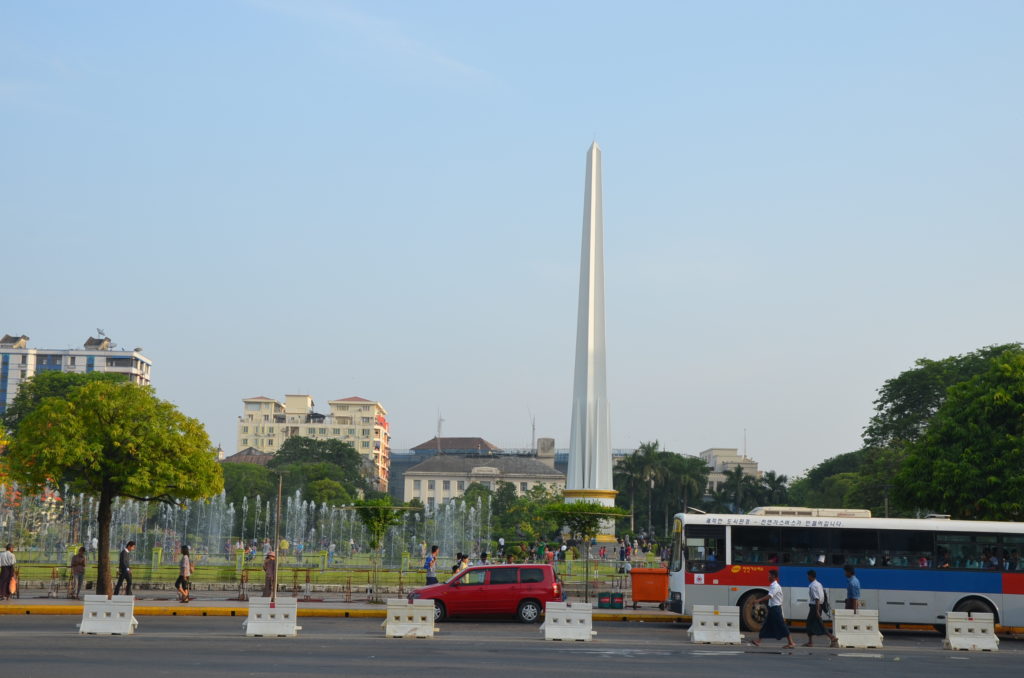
point(384, 199)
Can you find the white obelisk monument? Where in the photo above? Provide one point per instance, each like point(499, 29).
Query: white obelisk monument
point(590, 451)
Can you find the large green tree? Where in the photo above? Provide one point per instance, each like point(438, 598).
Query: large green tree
point(970, 461)
point(114, 440)
point(302, 450)
point(50, 384)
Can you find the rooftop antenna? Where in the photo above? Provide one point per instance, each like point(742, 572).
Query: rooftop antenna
point(439, 422)
point(533, 431)
point(100, 332)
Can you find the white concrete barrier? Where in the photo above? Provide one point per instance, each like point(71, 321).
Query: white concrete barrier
point(409, 619)
point(108, 616)
point(856, 628)
point(971, 631)
point(568, 621)
point(272, 619)
point(718, 626)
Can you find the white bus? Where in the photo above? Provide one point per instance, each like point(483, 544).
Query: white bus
point(912, 571)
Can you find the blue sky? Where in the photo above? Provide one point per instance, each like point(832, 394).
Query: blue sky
point(384, 199)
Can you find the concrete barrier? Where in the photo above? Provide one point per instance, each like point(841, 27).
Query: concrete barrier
point(717, 626)
point(971, 631)
point(409, 619)
point(856, 628)
point(272, 619)
point(109, 616)
point(568, 621)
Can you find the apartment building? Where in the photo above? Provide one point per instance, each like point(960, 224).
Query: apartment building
point(266, 423)
point(18, 362)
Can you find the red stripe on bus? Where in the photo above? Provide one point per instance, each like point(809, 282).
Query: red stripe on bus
point(1013, 582)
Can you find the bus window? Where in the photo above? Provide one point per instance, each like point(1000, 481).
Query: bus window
point(907, 548)
point(758, 545)
point(856, 547)
point(705, 548)
point(968, 551)
point(805, 546)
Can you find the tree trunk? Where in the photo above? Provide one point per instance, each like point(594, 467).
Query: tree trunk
point(103, 519)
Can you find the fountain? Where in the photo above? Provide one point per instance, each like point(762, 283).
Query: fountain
point(45, 527)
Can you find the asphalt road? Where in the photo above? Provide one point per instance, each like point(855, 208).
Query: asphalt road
point(47, 647)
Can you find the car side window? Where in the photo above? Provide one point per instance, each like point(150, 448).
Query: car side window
point(472, 578)
point(531, 575)
point(503, 575)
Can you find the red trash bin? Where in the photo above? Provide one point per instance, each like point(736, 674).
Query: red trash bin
point(650, 585)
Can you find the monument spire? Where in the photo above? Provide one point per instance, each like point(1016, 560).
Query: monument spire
point(590, 457)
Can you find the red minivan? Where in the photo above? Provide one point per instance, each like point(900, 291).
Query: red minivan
point(519, 590)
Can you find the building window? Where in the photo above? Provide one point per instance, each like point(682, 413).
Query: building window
point(417, 485)
point(446, 485)
point(245, 441)
point(310, 430)
point(430, 485)
point(366, 420)
point(430, 503)
point(266, 417)
point(323, 431)
point(462, 485)
point(270, 429)
point(71, 361)
point(245, 429)
point(365, 444)
point(350, 432)
point(366, 432)
point(523, 487)
point(337, 431)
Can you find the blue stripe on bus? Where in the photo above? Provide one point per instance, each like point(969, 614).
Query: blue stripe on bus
point(900, 580)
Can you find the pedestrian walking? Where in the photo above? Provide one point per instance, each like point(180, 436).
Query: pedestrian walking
point(430, 565)
point(774, 624)
point(852, 601)
point(7, 563)
point(183, 583)
point(269, 571)
point(124, 570)
point(78, 563)
point(816, 603)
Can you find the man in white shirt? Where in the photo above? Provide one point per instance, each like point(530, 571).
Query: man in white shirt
point(774, 623)
point(815, 600)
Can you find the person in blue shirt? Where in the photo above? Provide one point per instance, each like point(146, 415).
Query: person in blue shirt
point(852, 601)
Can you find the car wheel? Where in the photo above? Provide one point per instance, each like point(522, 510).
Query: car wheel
point(439, 612)
point(752, 613)
point(529, 611)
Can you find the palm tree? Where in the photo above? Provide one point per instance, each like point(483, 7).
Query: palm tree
point(742, 488)
point(627, 476)
point(774, 489)
point(681, 478)
point(650, 461)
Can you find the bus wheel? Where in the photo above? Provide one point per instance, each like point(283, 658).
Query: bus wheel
point(975, 605)
point(752, 613)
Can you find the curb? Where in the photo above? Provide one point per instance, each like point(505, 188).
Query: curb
point(350, 613)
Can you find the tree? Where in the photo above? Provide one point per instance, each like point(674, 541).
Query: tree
point(378, 516)
point(50, 384)
point(584, 520)
point(626, 478)
point(330, 492)
point(742, 489)
point(302, 450)
point(907, 403)
point(247, 480)
point(649, 455)
point(114, 440)
point(970, 461)
point(773, 489)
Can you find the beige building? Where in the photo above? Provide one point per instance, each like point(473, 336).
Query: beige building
point(445, 476)
point(266, 423)
point(722, 459)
